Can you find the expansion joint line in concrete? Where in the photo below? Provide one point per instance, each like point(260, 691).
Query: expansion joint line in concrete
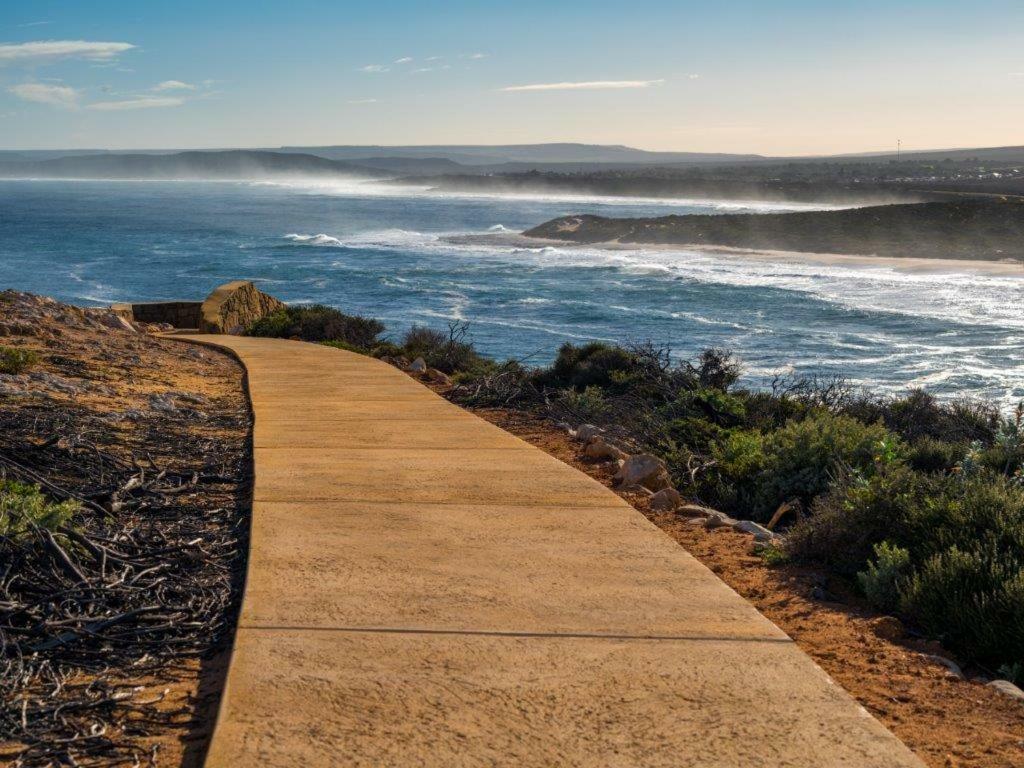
point(516, 634)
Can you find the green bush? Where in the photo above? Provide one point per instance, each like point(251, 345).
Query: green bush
point(973, 601)
point(587, 406)
point(803, 459)
point(592, 365)
point(930, 455)
point(448, 352)
point(23, 506)
point(16, 361)
point(317, 322)
point(964, 537)
point(881, 581)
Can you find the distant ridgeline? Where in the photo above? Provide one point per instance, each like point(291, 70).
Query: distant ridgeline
point(982, 230)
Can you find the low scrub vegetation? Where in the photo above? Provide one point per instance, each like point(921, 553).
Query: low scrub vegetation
point(24, 509)
point(448, 351)
point(14, 361)
point(919, 502)
point(317, 322)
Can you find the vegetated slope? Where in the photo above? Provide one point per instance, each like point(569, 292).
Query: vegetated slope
point(234, 164)
point(960, 230)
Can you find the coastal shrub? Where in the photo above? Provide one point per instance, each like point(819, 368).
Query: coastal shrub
point(449, 352)
point(587, 406)
point(24, 506)
point(592, 365)
point(919, 414)
point(963, 536)
point(881, 581)
point(716, 369)
point(14, 361)
point(803, 458)
point(318, 322)
point(846, 523)
point(971, 600)
point(930, 455)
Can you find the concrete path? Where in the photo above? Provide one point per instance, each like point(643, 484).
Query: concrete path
point(425, 589)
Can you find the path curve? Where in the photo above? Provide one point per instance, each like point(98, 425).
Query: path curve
point(425, 589)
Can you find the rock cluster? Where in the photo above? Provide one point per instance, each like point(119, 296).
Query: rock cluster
point(648, 474)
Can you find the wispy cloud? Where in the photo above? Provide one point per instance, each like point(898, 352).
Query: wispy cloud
point(362, 101)
point(374, 68)
point(693, 76)
point(472, 55)
point(145, 102)
point(35, 23)
point(404, 60)
point(589, 85)
point(173, 85)
point(43, 93)
point(51, 50)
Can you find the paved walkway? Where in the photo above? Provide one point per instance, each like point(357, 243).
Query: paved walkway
point(425, 589)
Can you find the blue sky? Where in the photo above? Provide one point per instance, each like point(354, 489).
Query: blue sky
point(783, 77)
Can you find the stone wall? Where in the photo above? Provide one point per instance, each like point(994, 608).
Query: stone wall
point(231, 308)
point(180, 314)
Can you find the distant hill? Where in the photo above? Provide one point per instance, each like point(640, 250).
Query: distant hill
point(988, 230)
point(231, 164)
point(467, 154)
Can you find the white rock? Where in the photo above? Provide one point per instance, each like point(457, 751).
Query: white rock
point(759, 531)
point(1005, 686)
point(419, 365)
point(719, 520)
point(587, 431)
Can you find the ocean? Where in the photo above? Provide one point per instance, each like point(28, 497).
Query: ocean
point(388, 252)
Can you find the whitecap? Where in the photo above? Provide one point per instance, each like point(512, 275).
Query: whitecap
point(320, 240)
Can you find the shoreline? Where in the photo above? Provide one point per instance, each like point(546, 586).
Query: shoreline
point(914, 264)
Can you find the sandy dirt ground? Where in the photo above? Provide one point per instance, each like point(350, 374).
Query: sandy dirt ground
point(139, 398)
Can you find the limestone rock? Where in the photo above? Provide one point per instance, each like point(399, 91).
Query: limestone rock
point(587, 431)
point(644, 470)
point(116, 322)
point(695, 510)
point(438, 377)
point(759, 531)
point(601, 450)
point(666, 500)
point(235, 306)
point(419, 365)
point(952, 667)
point(718, 520)
point(1005, 686)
